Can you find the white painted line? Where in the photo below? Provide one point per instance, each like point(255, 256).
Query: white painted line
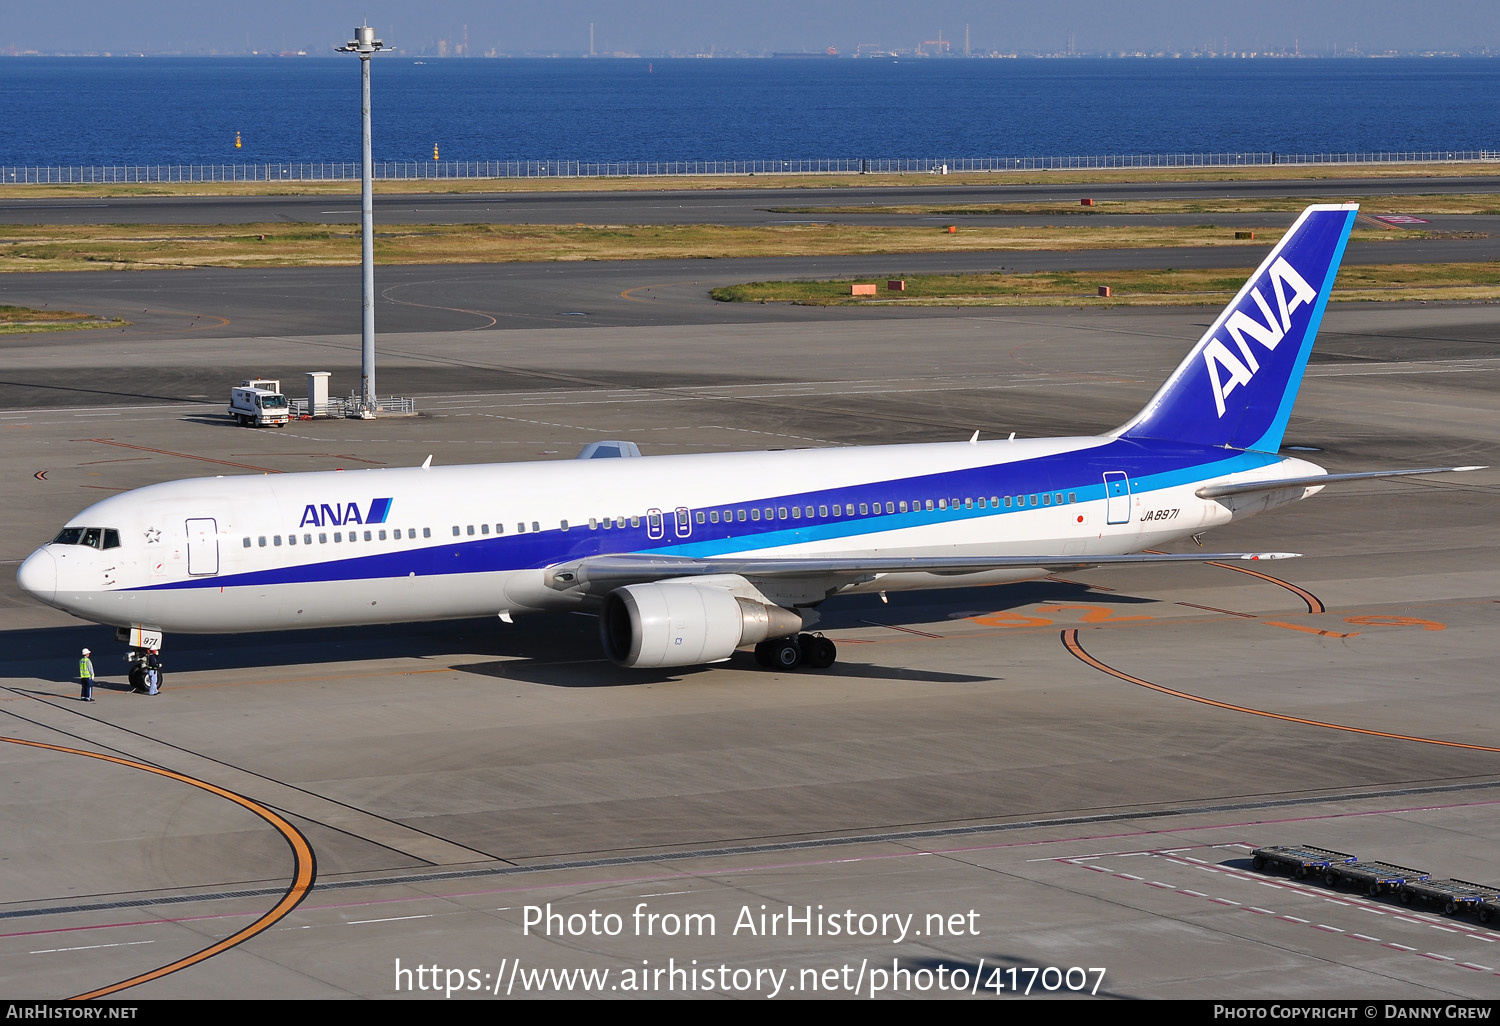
point(91, 947)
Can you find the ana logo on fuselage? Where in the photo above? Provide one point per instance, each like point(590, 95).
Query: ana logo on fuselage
point(1292, 291)
point(338, 514)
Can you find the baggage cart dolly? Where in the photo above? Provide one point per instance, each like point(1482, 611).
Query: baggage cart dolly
point(1299, 860)
point(1453, 896)
point(1374, 878)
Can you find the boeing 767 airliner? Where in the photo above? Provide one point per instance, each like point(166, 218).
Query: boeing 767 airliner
point(687, 558)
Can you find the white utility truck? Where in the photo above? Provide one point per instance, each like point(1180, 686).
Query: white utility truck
point(257, 402)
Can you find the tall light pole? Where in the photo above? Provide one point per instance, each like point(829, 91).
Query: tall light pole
point(365, 44)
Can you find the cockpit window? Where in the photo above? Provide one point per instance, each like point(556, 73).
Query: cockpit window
point(93, 537)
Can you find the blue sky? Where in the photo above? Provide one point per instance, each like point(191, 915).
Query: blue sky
point(659, 26)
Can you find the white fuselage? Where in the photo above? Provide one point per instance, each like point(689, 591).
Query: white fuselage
point(389, 545)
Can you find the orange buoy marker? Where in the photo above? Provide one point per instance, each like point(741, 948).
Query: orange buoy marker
point(434, 151)
point(237, 140)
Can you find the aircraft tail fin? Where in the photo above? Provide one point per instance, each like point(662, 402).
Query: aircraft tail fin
point(1236, 388)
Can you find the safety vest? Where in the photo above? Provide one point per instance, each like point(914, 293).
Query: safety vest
point(85, 667)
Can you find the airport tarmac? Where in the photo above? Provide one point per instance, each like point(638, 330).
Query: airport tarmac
point(1053, 786)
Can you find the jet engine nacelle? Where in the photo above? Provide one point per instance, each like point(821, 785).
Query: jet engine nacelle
point(685, 623)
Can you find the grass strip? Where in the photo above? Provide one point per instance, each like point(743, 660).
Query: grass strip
point(1424, 203)
point(17, 320)
point(25, 248)
point(1146, 287)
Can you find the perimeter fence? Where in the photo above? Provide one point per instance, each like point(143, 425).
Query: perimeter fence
point(464, 169)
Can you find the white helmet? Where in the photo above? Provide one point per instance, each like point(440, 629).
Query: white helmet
point(85, 651)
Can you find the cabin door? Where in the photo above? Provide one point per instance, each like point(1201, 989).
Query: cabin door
point(203, 546)
point(1117, 497)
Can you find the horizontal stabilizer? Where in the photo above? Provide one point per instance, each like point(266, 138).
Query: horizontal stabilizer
point(1219, 491)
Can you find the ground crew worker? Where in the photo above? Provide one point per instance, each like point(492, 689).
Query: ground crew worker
point(153, 673)
point(86, 677)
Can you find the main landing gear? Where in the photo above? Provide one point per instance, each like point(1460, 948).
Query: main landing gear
point(791, 652)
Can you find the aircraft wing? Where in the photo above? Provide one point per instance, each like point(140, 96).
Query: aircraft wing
point(603, 573)
point(1276, 484)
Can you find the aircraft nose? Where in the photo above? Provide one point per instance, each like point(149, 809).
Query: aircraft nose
point(38, 576)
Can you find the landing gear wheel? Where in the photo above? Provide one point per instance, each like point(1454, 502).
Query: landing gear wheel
point(785, 653)
point(763, 653)
point(817, 651)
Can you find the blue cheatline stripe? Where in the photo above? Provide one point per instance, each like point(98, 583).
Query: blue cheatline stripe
point(1151, 466)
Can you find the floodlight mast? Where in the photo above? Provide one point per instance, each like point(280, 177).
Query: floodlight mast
point(365, 44)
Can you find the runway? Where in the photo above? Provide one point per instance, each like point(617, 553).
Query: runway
point(1053, 786)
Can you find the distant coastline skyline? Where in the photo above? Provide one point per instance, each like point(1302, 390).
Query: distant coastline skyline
point(695, 28)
